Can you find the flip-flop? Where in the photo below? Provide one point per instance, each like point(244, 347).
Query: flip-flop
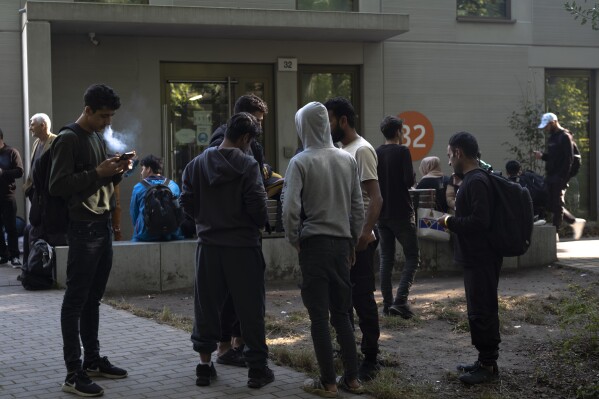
point(317, 388)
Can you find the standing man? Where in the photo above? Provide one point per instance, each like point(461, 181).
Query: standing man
point(82, 174)
point(39, 126)
point(558, 160)
point(475, 201)
point(223, 192)
point(323, 215)
point(397, 219)
point(11, 168)
point(342, 119)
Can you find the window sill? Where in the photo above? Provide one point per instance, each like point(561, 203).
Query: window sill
point(486, 20)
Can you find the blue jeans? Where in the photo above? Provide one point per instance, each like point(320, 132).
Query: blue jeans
point(88, 267)
point(405, 232)
point(326, 292)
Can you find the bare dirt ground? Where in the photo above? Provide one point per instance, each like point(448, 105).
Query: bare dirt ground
point(423, 352)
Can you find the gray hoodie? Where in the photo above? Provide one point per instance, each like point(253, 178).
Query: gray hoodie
point(322, 194)
point(223, 192)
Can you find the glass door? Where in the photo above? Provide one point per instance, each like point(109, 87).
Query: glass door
point(194, 108)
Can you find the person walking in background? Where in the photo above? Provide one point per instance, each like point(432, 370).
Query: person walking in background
point(323, 215)
point(11, 168)
point(558, 160)
point(223, 191)
point(82, 173)
point(151, 175)
point(39, 127)
point(475, 201)
point(397, 219)
point(342, 119)
point(432, 178)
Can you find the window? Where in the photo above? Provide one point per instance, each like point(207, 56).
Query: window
point(114, 1)
point(327, 5)
point(484, 9)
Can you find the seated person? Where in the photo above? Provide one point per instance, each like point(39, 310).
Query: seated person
point(432, 178)
point(531, 181)
point(151, 169)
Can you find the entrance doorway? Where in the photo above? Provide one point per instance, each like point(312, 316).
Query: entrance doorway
point(197, 98)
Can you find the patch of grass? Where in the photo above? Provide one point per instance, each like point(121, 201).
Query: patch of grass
point(452, 311)
point(397, 323)
point(299, 359)
point(287, 325)
point(163, 317)
point(579, 318)
point(391, 383)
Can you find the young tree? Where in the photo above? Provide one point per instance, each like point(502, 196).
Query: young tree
point(585, 14)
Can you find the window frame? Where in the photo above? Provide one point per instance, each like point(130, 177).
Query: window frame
point(472, 18)
point(354, 7)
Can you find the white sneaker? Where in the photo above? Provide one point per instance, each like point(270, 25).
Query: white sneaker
point(578, 227)
point(540, 222)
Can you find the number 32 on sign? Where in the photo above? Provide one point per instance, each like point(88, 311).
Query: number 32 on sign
point(418, 134)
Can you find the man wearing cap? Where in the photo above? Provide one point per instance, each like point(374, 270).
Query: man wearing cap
point(558, 160)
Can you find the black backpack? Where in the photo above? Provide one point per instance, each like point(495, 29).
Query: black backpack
point(48, 211)
point(513, 217)
point(38, 272)
point(535, 183)
point(162, 213)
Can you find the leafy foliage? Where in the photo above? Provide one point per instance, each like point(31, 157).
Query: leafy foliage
point(482, 8)
point(529, 138)
point(583, 13)
point(326, 5)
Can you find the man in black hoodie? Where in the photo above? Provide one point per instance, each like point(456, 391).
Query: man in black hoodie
point(223, 192)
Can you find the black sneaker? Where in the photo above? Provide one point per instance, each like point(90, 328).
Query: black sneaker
point(204, 374)
point(4, 260)
point(80, 384)
point(16, 263)
point(257, 378)
point(103, 368)
point(232, 357)
point(402, 310)
point(466, 368)
point(385, 310)
point(368, 370)
point(480, 375)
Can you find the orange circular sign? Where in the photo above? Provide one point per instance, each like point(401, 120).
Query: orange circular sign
point(418, 134)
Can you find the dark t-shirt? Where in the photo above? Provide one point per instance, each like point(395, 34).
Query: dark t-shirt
point(396, 176)
point(440, 185)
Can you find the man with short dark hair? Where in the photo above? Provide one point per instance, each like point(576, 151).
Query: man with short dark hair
point(342, 119)
point(223, 192)
point(82, 174)
point(11, 168)
point(397, 220)
point(558, 159)
point(475, 202)
point(151, 175)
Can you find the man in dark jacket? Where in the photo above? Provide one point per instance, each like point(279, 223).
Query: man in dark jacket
point(223, 191)
point(558, 160)
point(11, 168)
point(473, 252)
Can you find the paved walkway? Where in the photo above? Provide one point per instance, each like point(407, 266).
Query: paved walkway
point(159, 358)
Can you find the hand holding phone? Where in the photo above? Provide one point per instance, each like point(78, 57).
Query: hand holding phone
point(127, 156)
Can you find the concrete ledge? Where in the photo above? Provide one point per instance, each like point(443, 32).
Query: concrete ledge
point(165, 266)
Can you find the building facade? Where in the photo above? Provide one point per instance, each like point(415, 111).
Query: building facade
point(178, 65)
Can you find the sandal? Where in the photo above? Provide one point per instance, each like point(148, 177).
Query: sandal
point(342, 384)
point(316, 387)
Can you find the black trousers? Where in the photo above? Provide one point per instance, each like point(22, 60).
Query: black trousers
point(480, 282)
point(556, 190)
point(238, 271)
point(363, 286)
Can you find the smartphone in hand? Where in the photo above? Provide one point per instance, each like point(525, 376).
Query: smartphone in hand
point(127, 156)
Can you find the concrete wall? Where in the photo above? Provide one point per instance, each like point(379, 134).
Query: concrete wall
point(164, 266)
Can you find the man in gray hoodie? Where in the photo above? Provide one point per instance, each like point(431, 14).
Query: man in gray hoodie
point(223, 192)
point(323, 215)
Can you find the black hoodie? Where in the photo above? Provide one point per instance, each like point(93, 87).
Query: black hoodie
point(223, 192)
